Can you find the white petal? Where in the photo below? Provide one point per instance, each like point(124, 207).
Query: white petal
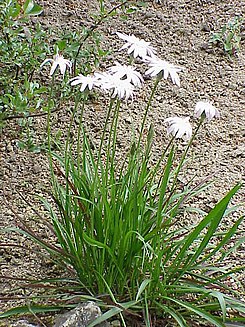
point(62, 68)
point(45, 61)
point(53, 68)
point(83, 87)
point(76, 82)
point(122, 36)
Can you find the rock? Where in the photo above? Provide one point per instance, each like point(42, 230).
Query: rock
point(23, 323)
point(205, 27)
point(128, 119)
point(36, 168)
point(9, 148)
point(116, 323)
point(206, 47)
point(81, 316)
point(149, 14)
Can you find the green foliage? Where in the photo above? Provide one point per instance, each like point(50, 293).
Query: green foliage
point(31, 9)
point(29, 309)
point(21, 50)
point(116, 225)
point(25, 99)
point(229, 36)
point(90, 54)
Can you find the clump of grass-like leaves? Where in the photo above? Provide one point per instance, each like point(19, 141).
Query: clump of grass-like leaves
point(117, 231)
point(117, 225)
point(229, 36)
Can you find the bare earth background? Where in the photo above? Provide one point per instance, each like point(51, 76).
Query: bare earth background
point(180, 30)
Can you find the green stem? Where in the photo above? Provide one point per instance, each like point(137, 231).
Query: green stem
point(99, 161)
point(158, 164)
point(185, 153)
point(90, 31)
point(146, 111)
point(113, 136)
point(68, 137)
point(80, 128)
point(105, 126)
point(50, 158)
point(68, 144)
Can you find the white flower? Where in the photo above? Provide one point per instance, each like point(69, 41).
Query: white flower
point(123, 89)
point(58, 61)
point(158, 66)
point(106, 80)
point(128, 72)
point(138, 47)
point(207, 108)
point(179, 127)
point(86, 81)
point(120, 87)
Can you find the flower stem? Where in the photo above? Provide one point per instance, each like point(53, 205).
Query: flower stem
point(50, 158)
point(185, 153)
point(94, 27)
point(146, 111)
point(110, 156)
point(158, 164)
point(80, 128)
point(103, 137)
point(105, 126)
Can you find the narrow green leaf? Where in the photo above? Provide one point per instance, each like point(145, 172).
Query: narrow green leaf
point(147, 313)
point(163, 186)
point(29, 309)
point(113, 312)
point(225, 239)
point(142, 287)
point(27, 5)
point(202, 313)
point(176, 315)
point(221, 300)
point(234, 324)
point(15, 11)
point(91, 241)
point(150, 136)
point(100, 245)
point(107, 315)
point(213, 218)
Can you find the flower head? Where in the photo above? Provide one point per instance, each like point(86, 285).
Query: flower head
point(120, 87)
point(206, 108)
point(58, 61)
point(179, 127)
point(138, 47)
point(106, 81)
point(127, 72)
point(87, 82)
point(123, 89)
point(164, 68)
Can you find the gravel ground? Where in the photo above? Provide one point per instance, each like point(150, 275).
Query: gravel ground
point(180, 30)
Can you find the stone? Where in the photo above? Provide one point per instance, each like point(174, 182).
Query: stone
point(23, 323)
point(81, 316)
point(116, 323)
point(36, 168)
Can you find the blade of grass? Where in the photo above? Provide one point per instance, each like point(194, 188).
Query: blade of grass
point(176, 315)
point(213, 218)
point(199, 312)
point(26, 309)
point(142, 287)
